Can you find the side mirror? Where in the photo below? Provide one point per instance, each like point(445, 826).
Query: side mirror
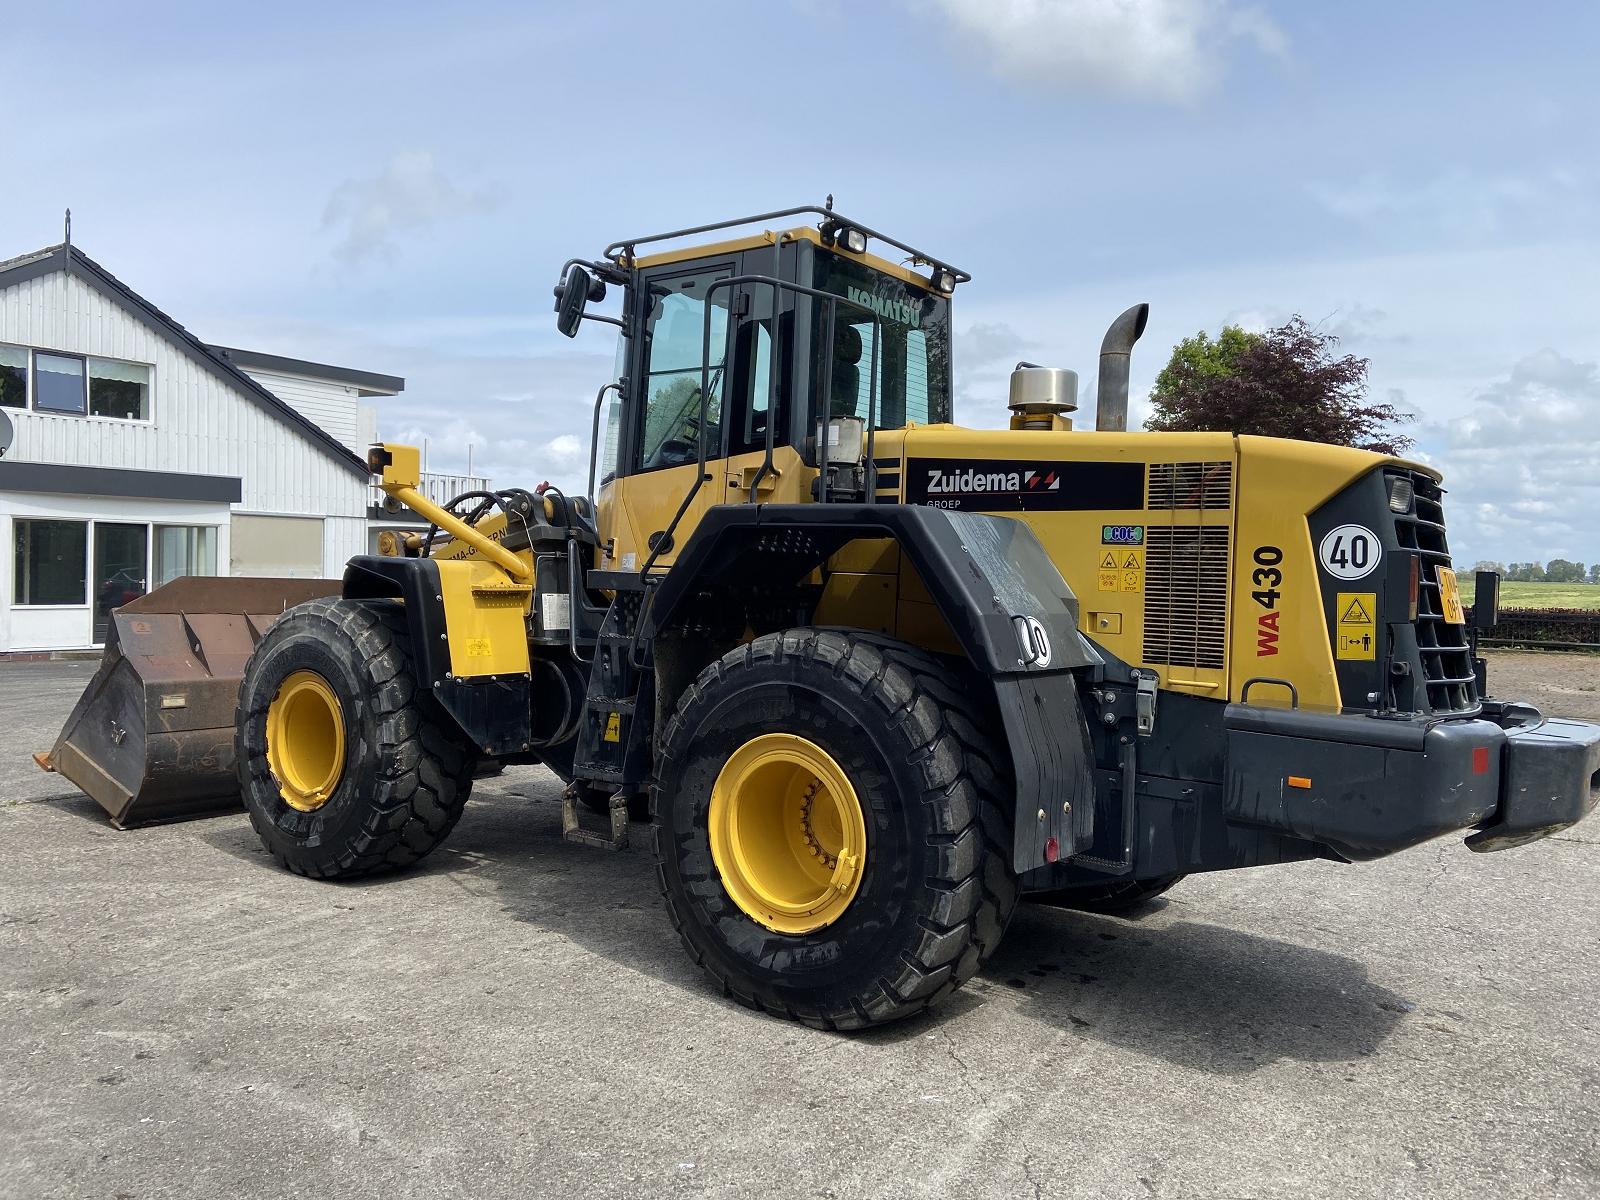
point(1486, 599)
point(573, 294)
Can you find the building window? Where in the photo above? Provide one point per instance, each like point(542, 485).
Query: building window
point(184, 550)
point(75, 384)
point(13, 377)
point(119, 389)
point(51, 562)
point(58, 383)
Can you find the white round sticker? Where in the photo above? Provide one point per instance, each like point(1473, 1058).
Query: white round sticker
point(1350, 552)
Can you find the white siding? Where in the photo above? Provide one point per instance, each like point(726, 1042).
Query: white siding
point(199, 424)
point(329, 405)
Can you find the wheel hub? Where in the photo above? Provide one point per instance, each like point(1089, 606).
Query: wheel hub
point(305, 740)
point(788, 835)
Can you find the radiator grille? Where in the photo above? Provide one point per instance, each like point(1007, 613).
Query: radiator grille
point(1186, 595)
point(1446, 659)
point(1191, 485)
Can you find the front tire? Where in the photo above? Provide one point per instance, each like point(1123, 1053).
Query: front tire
point(832, 830)
point(347, 767)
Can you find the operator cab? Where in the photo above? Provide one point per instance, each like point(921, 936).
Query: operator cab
point(862, 344)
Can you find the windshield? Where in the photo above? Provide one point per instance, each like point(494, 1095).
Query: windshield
point(912, 361)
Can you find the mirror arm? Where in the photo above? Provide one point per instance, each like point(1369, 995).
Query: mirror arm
point(608, 320)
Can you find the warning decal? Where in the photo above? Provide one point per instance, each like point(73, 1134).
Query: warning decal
point(1355, 612)
point(1121, 571)
point(1356, 635)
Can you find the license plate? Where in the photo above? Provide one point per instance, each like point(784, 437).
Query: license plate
point(1450, 597)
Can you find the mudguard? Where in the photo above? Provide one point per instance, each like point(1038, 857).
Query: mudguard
point(493, 711)
point(996, 587)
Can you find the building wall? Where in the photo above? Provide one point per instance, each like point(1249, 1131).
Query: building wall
point(69, 626)
point(199, 424)
point(333, 406)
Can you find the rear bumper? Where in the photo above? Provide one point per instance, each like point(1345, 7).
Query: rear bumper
point(1551, 777)
point(1369, 786)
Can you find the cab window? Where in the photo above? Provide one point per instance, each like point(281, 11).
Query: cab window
point(676, 364)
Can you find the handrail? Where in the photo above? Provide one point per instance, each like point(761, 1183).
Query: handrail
point(622, 252)
point(594, 434)
point(832, 299)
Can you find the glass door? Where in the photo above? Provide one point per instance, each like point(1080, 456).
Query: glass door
point(121, 555)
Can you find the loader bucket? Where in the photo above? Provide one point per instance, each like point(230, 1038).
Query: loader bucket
point(151, 738)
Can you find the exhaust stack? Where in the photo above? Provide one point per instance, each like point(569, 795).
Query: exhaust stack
point(1111, 396)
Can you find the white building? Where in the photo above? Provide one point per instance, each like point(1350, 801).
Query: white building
point(141, 454)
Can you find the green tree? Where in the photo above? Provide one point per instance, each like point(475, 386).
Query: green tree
point(1488, 564)
point(1560, 570)
point(1594, 572)
point(1286, 382)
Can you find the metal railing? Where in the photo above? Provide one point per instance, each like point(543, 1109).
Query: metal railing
point(440, 487)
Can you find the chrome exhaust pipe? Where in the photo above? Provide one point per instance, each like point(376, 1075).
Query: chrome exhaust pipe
point(1111, 394)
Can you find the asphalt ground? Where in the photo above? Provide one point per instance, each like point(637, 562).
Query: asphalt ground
point(178, 1018)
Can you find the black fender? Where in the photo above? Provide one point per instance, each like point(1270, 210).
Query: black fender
point(997, 588)
point(493, 712)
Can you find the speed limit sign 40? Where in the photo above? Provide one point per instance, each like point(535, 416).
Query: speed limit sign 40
point(1350, 552)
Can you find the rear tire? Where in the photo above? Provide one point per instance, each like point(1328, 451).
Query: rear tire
point(935, 891)
point(402, 772)
point(1110, 898)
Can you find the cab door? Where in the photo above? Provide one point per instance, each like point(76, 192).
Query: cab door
point(663, 445)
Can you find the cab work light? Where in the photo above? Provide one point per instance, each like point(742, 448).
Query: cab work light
point(837, 233)
point(944, 280)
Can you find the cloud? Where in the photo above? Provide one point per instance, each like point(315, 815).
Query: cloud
point(1461, 202)
point(1523, 466)
point(408, 194)
point(1164, 50)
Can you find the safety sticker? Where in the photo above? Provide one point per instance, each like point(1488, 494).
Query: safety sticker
point(1110, 578)
point(1356, 634)
point(1130, 572)
point(613, 731)
point(479, 648)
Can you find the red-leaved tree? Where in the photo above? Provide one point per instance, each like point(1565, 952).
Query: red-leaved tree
point(1285, 383)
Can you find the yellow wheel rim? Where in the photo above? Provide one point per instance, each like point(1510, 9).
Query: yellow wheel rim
point(787, 833)
point(305, 740)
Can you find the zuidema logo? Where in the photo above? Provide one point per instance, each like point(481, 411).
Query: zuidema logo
point(980, 483)
point(1009, 485)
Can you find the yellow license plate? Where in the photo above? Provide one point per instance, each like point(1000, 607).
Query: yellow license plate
point(1450, 597)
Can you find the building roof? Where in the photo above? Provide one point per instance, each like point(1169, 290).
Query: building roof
point(367, 383)
point(74, 262)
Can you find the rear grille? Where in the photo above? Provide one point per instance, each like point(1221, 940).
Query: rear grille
point(1186, 595)
point(1191, 485)
point(1446, 659)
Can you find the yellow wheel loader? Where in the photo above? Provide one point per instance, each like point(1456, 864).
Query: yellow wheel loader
point(874, 676)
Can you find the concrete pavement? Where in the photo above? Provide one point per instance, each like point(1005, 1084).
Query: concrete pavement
point(179, 1018)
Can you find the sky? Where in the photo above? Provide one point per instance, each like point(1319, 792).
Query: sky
point(394, 188)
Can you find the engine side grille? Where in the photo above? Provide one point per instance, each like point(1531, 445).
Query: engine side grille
point(1186, 595)
point(1446, 659)
point(1191, 485)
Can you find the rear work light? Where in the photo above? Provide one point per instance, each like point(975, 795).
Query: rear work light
point(1402, 495)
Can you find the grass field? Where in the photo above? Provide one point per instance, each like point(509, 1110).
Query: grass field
point(1538, 595)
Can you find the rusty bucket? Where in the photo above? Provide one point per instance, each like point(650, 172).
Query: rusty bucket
point(151, 738)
